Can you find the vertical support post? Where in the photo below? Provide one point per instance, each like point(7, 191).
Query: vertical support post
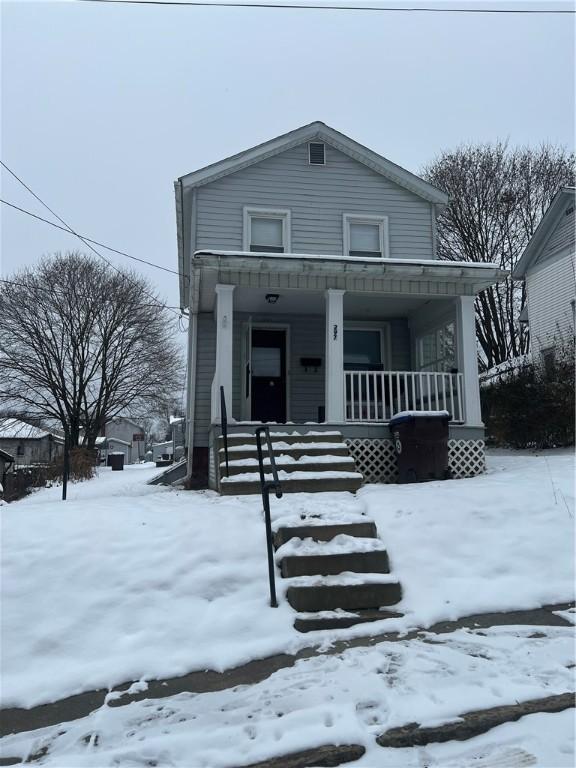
point(224, 333)
point(468, 359)
point(334, 373)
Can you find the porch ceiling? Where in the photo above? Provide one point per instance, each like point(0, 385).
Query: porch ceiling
point(301, 281)
point(294, 302)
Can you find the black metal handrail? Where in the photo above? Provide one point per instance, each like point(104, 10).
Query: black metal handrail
point(265, 487)
point(224, 425)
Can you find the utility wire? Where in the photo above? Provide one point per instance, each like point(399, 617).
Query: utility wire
point(89, 245)
point(95, 242)
point(317, 7)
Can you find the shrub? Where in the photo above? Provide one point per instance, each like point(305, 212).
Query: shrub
point(25, 479)
point(531, 405)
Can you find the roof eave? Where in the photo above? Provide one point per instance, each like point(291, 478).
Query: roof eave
point(542, 233)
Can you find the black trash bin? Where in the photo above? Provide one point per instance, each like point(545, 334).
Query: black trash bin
point(421, 443)
point(116, 461)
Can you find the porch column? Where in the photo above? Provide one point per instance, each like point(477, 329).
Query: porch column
point(334, 373)
point(468, 359)
point(224, 328)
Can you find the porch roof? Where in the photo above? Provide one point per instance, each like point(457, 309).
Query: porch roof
point(301, 271)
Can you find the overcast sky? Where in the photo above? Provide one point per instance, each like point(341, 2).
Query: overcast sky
point(103, 106)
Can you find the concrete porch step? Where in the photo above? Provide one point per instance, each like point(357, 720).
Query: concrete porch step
point(353, 597)
point(324, 466)
point(282, 437)
point(340, 449)
point(365, 530)
point(326, 565)
point(313, 485)
point(329, 620)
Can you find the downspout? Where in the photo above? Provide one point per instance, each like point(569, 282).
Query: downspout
point(192, 337)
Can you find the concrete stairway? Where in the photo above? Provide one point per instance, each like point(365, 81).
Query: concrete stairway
point(339, 574)
point(309, 462)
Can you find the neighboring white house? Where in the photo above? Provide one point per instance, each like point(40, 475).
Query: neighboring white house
point(317, 301)
point(547, 267)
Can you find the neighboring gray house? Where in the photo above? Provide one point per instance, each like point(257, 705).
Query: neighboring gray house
point(124, 434)
point(29, 444)
point(317, 302)
point(547, 268)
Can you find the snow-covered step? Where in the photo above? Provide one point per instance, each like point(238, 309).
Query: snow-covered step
point(322, 532)
point(351, 594)
point(306, 557)
point(294, 482)
point(249, 451)
point(345, 465)
point(325, 565)
point(287, 438)
point(340, 619)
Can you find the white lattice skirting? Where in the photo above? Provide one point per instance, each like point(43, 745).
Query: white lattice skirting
point(376, 458)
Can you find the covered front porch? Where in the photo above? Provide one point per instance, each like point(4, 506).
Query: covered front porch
point(320, 343)
point(337, 357)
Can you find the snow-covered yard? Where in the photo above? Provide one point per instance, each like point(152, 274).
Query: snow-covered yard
point(127, 581)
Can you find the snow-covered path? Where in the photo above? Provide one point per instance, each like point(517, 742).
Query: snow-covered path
point(349, 698)
point(127, 581)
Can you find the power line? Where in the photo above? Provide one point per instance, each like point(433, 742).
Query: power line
point(89, 245)
point(315, 7)
point(95, 242)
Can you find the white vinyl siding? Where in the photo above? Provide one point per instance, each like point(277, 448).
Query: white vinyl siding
point(317, 199)
point(550, 290)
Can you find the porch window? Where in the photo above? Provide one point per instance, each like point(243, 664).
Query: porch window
point(365, 236)
point(266, 230)
point(437, 349)
point(363, 350)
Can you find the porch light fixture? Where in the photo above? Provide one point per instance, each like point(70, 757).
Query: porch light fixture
point(272, 298)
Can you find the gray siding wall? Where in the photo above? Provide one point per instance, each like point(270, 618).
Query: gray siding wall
point(317, 196)
point(306, 387)
point(205, 367)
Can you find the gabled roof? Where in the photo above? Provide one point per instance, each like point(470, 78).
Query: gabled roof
point(544, 230)
point(7, 457)
point(15, 429)
point(316, 131)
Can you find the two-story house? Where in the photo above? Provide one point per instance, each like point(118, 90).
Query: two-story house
point(316, 301)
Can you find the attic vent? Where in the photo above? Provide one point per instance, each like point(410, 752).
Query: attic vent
point(316, 154)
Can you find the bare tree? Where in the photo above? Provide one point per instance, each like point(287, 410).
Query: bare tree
point(81, 343)
point(497, 198)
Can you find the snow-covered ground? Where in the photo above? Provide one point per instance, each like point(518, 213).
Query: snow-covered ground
point(127, 581)
point(349, 698)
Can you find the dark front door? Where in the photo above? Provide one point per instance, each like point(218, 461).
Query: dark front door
point(268, 375)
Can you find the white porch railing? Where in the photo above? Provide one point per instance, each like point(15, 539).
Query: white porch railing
point(378, 395)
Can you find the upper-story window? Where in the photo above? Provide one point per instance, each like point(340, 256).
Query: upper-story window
point(266, 230)
point(365, 235)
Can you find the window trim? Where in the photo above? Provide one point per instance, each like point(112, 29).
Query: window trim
point(382, 221)
point(250, 211)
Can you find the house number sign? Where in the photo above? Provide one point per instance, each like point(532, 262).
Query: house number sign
point(335, 332)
